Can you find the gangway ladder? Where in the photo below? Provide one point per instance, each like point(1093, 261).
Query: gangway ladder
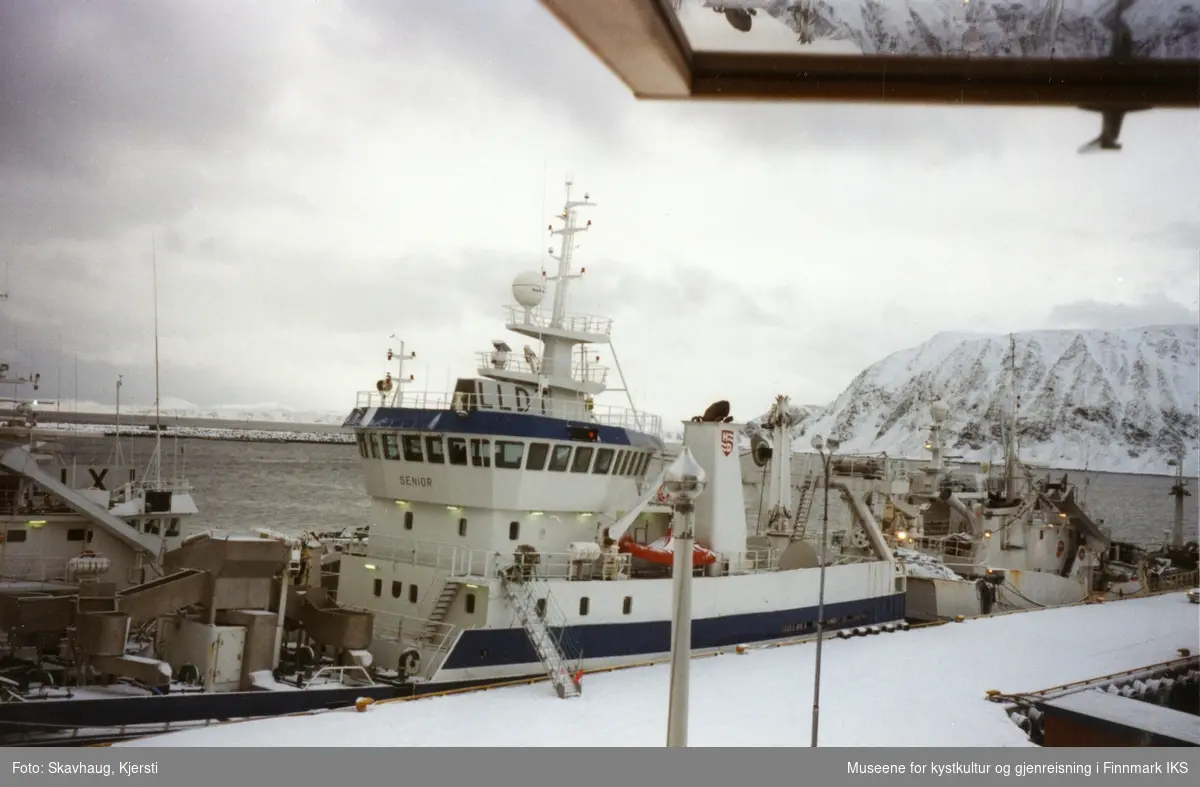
point(544, 644)
point(808, 493)
point(441, 608)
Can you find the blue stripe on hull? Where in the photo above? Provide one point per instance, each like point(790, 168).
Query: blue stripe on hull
point(479, 648)
point(497, 423)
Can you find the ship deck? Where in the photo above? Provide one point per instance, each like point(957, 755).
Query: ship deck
point(922, 687)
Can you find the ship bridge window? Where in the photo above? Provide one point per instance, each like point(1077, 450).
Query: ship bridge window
point(514, 531)
point(560, 459)
point(469, 603)
point(434, 450)
point(462, 526)
point(360, 437)
point(12, 536)
point(412, 447)
point(584, 434)
point(604, 458)
point(378, 587)
point(408, 520)
point(583, 606)
point(622, 460)
point(412, 594)
point(583, 460)
point(643, 460)
point(374, 446)
point(391, 448)
point(173, 527)
point(632, 465)
point(397, 588)
point(457, 447)
point(481, 453)
point(79, 534)
point(509, 454)
point(538, 453)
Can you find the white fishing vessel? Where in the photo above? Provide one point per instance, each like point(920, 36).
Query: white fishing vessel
point(67, 512)
point(979, 542)
point(105, 595)
point(515, 528)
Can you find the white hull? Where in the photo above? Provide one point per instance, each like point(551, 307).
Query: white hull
point(617, 623)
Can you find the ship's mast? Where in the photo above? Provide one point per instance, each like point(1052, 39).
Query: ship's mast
point(1179, 492)
point(564, 275)
point(1010, 437)
point(155, 469)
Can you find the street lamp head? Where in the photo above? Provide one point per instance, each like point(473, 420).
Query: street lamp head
point(685, 478)
point(832, 444)
point(818, 442)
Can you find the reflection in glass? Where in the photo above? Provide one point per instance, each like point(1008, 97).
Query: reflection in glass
point(1059, 29)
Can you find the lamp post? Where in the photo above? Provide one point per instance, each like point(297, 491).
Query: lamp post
point(825, 448)
point(683, 482)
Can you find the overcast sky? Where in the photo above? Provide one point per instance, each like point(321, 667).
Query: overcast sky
point(321, 175)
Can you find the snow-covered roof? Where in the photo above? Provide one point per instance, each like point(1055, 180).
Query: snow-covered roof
point(923, 687)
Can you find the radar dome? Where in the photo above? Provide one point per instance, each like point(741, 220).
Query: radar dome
point(529, 289)
point(940, 411)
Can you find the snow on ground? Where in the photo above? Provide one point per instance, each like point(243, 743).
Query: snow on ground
point(923, 687)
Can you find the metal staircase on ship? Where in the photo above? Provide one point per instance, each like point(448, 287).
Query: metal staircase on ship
point(434, 632)
point(524, 588)
point(808, 493)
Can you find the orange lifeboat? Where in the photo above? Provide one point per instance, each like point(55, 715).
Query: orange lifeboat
point(662, 551)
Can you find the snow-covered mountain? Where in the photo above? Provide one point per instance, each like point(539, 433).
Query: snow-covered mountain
point(980, 28)
point(1119, 401)
point(170, 407)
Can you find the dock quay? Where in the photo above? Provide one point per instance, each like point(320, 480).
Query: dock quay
point(925, 686)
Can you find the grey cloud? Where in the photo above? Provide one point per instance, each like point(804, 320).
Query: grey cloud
point(39, 352)
point(119, 113)
point(1178, 235)
point(516, 43)
point(1157, 310)
point(677, 287)
point(242, 292)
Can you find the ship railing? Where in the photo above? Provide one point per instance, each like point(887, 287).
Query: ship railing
point(603, 415)
point(577, 323)
point(578, 372)
point(564, 565)
point(462, 563)
point(754, 561)
point(455, 560)
point(130, 489)
point(32, 568)
point(945, 545)
point(1159, 582)
point(348, 675)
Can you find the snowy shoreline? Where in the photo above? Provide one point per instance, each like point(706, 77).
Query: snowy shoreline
point(208, 433)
